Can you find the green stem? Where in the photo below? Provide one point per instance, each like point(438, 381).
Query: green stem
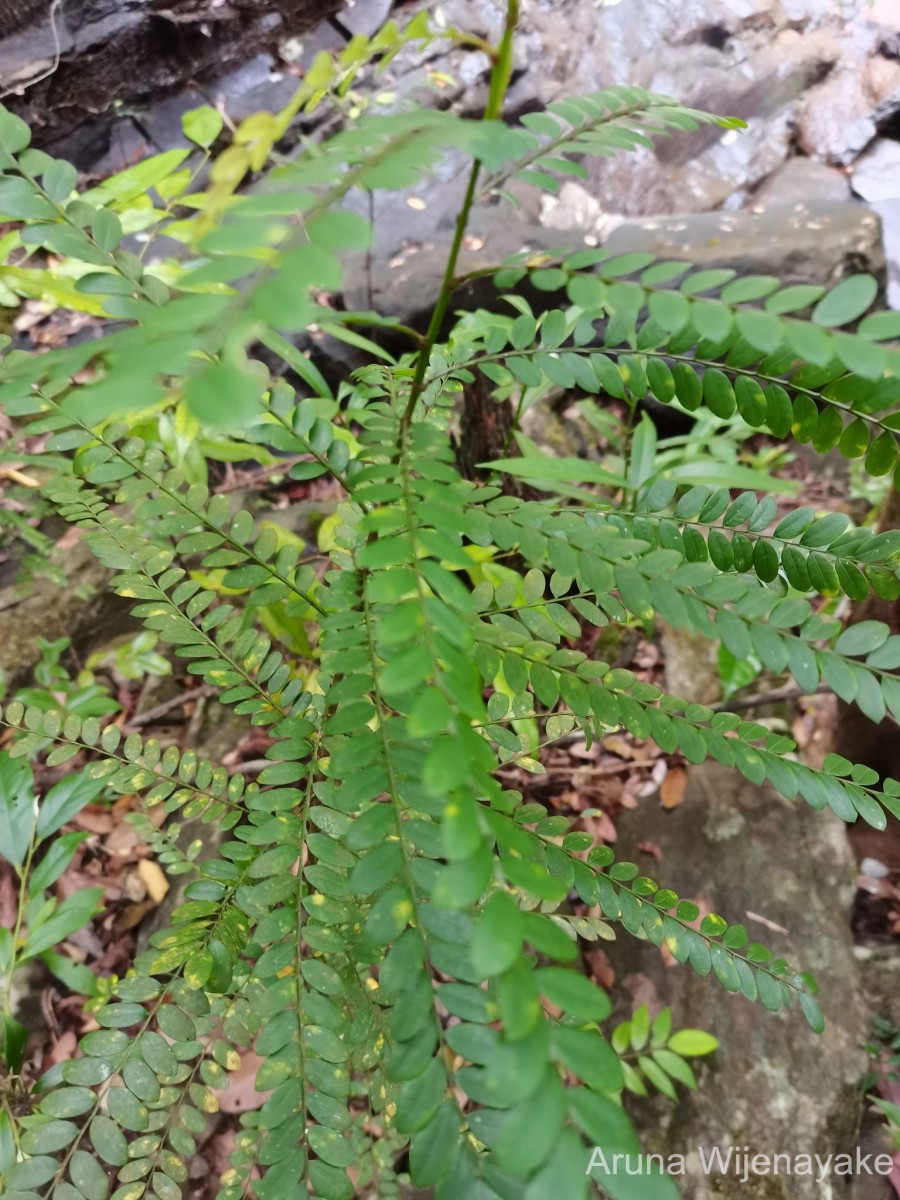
point(17, 927)
point(443, 300)
point(500, 76)
point(502, 72)
point(514, 424)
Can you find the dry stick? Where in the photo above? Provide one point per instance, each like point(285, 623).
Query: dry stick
point(594, 772)
point(160, 710)
point(774, 697)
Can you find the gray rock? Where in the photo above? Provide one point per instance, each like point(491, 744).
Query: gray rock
point(841, 116)
point(692, 665)
point(255, 86)
point(786, 872)
point(111, 52)
point(365, 16)
point(162, 122)
point(412, 235)
point(886, 113)
point(889, 212)
point(818, 242)
point(80, 609)
point(876, 177)
point(798, 180)
point(731, 56)
point(104, 147)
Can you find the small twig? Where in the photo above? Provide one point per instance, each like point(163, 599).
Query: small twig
point(774, 697)
point(770, 925)
point(253, 766)
point(586, 768)
point(195, 724)
point(370, 281)
point(160, 710)
point(54, 66)
point(256, 473)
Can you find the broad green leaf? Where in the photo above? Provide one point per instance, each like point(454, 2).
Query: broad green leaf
point(692, 1043)
point(434, 1150)
point(847, 301)
point(561, 470)
point(223, 395)
point(65, 800)
point(862, 638)
point(202, 125)
point(17, 809)
point(573, 993)
point(643, 453)
point(497, 939)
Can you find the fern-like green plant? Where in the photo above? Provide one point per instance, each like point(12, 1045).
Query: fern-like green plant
point(385, 924)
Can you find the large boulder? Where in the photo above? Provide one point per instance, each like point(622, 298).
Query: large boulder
point(755, 59)
point(876, 178)
point(67, 599)
point(819, 241)
point(786, 872)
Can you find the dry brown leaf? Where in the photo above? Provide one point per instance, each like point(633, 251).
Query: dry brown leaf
point(123, 841)
point(671, 792)
point(153, 879)
point(132, 915)
point(60, 1050)
point(599, 967)
point(133, 887)
point(95, 819)
point(240, 1095)
point(619, 746)
point(652, 849)
point(600, 827)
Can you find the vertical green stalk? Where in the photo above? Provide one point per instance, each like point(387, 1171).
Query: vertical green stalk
point(500, 77)
point(14, 1035)
point(503, 64)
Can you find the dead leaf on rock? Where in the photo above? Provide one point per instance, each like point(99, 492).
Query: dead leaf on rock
point(132, 915)
point(653, 782)
point(123, 841)
point(628, 798)
point(153, 879)
point(240, 1095)
point(652, 849)
point(95, 819)
point(599, 967)
point(600, 827)
point(60, 1050)
point(671, 793)
point(620, 746)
